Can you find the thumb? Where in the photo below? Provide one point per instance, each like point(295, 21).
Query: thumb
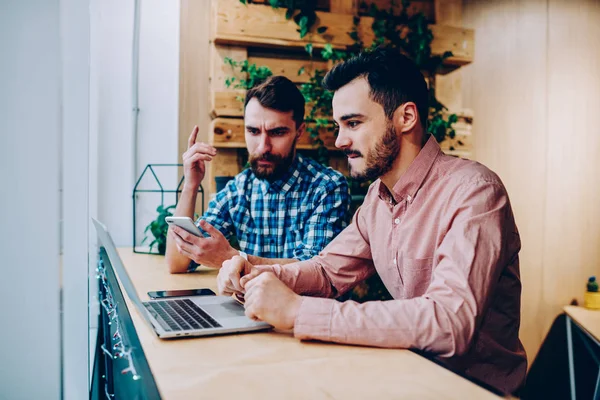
point(211, 230)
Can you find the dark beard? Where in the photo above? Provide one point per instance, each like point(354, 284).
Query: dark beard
point(281, 165)
point(380, 159)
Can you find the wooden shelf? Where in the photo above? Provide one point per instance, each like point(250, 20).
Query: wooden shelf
point(258, 25)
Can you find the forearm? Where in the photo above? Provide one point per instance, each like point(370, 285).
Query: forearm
point(304, 277)
point(419, 323)
point(177, 262)
point(255, 260)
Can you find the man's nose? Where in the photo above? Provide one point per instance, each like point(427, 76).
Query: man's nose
point(264, 145)
point(342, 141)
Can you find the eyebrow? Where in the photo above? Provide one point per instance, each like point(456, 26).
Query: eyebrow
point(350, 116)
point(279, 128)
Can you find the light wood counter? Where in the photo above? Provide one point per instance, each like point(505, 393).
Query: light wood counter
point(275, 365)
point(587, 319)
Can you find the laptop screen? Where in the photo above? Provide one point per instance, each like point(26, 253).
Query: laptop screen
point(118, 266)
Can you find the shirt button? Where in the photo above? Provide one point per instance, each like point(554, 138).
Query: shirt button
point(395, 262)
point(408, 198)
point(397, 221)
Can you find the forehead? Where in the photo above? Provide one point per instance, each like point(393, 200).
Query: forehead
point(258, 116)
point(354, 98)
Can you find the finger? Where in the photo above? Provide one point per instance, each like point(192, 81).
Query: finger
point(196, 158)
point(211, 230)
point(185, 235)
point(254, 272)
point(203, 148)
point(192, 138)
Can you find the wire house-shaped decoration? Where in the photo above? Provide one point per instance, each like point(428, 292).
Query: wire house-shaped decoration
point(156, 230)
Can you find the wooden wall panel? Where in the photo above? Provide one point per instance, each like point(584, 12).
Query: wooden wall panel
point(535, 92)
point(572, 236)
point(506, 88)
point(249, 25)
point(219, 70)
point(193, 74)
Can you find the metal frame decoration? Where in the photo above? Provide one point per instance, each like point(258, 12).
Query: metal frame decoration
point(161, 190)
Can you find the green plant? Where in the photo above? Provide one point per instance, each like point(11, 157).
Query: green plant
point(158, 228)
point(409, 34)
point(592, 285)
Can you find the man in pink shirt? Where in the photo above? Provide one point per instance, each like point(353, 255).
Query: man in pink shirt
point(438, 230)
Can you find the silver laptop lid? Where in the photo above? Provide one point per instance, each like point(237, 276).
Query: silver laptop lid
point(119, 268)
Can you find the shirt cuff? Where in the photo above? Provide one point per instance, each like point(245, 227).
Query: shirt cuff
point(314, 319)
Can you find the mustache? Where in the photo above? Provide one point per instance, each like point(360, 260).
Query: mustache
point(265, 157)
point(350, 152)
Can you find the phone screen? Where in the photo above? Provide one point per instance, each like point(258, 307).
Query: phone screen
point(178, 293)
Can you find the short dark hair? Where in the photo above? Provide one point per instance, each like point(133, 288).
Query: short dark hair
point(394, 80)
point(279, 93)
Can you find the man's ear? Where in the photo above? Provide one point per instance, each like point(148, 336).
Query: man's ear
point(300, 130)
point(406, 117)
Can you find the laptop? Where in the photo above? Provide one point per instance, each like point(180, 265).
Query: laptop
point(183, 316)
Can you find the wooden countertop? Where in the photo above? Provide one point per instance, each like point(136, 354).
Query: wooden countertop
point(587, 319)
point(275, 365)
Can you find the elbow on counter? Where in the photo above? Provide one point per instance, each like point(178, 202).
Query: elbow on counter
point(174, 266)
point(458, 332)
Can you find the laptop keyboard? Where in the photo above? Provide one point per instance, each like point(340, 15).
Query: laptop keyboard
point(181, 315)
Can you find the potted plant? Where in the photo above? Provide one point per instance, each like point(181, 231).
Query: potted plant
point(158, 228)
point(591, 298)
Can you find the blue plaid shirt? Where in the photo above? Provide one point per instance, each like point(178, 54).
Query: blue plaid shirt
point(293, 217)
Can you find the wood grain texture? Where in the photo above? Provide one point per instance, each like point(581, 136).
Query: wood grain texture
point(275, 365)
point(535, 91)
point(587, 319)
point(572, 218)
point(259, 25)
point(219, 70)
point(506, 88)
point(193, 74)
point(448, 12)
point(229, 133)
point(290, 67)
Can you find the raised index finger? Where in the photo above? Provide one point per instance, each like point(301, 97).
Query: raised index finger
point(192, 138)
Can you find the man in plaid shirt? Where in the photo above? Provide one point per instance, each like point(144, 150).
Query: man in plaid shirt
point(284, 208)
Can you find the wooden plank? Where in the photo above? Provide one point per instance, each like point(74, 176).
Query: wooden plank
point(226, 163)
point(229, 133)
point(258, 25)
point(290, 67)
point(344, 6)
point(193, 73)
point(426, 7)
point(448, 89)
point(515, 147)
point(225, 103)
point(448, 12)
point(219, 71)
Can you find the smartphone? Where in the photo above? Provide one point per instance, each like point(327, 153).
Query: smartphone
point(185, 223)
point(161, 294)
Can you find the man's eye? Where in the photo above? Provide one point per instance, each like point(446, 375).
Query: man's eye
point(353, 124)
point(253, 131)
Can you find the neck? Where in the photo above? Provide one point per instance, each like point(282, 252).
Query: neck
point(409, 150)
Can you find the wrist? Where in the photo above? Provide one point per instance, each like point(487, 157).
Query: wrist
point(295, 310)
point(190, 187)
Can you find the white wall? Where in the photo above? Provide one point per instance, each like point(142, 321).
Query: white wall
point(111, 104)
point(30, 126)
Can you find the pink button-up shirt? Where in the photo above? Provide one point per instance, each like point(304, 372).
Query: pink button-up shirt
point(445, 244)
